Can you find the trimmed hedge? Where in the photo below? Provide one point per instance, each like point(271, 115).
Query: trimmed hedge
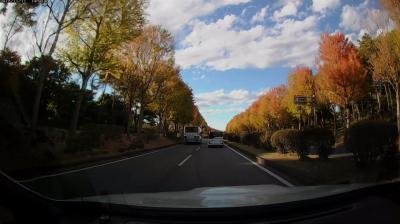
point(289, 140)
point(371, 140)
point(320, 138)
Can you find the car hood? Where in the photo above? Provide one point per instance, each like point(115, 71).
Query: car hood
point(232, 196)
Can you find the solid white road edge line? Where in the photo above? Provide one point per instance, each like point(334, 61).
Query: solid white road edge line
point(280, 179)
point(86, 168)
point(183, 161)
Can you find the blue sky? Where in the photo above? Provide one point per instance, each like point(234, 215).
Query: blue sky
point(231, 51)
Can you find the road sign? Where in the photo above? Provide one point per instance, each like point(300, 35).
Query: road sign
point(300, 99)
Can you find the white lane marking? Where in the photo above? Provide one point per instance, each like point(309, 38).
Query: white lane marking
point(280, 179)
point(198, 149)
point(183, 161)
point(86, 168)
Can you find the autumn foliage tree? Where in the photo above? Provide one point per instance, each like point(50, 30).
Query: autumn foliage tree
point(386, 64)
point(343, 76)
point(300, 82)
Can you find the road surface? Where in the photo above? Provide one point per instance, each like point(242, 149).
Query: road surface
point(175, 168)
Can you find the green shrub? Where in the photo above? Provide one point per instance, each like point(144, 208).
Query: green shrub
point(265, 140)
point(371, 140)
point(321, 139)
point(289, 140)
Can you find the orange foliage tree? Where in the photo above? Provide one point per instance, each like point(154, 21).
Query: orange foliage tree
point(343, 76)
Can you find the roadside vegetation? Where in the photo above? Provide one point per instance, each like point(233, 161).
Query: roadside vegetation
point(100, 81)
point(350, 103)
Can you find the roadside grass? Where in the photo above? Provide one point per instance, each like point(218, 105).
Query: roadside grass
point(312, 171)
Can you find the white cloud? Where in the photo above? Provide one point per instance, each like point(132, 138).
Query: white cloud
point(323, 5)
point(363, 18)
point(289, 43)
point(290, 8)
point(220, 97)
point(174, 14)
point(260, 16)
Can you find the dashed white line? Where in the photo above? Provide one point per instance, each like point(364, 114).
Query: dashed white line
point(183, 161)
point(198, 149)
point(280, 179)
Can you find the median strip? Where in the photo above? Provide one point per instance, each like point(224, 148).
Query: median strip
point(183, 161)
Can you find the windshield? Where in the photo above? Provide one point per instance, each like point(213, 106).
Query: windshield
point(126, 98)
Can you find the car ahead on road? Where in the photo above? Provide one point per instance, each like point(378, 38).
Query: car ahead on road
point(192, 134)
point(215, 139)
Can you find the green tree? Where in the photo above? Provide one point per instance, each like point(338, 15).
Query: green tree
point(59, 15)
point(108, 24)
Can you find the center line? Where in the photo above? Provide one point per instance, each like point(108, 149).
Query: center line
point(181, 163)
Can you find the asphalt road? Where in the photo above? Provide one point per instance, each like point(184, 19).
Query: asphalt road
point(176, 168)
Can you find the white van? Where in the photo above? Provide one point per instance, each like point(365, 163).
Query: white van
point(192, 134)
point(215, 139)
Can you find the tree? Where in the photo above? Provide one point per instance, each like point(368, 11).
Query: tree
point(53, 85)
point(108, 24)
point(168, 75)
point(144, 56)
point(181, 107)
point(21, 16)
point(393, 8)
point(61, 14)
point(386, 64)
point(343, 76)
point(10, 80)
point(300, 82)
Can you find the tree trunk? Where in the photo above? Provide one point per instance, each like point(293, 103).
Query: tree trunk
point(300, 120)
point(78, 104)
point(378, 98)
point(388, 98)
point(128, 117)
point(140, 122)
point(347, 115)
point(334, 123)
point(43, 70)
point(38, 96)
point(397, 90)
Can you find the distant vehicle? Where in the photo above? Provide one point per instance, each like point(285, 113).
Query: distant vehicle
point(192, 134)
point(215, 139)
